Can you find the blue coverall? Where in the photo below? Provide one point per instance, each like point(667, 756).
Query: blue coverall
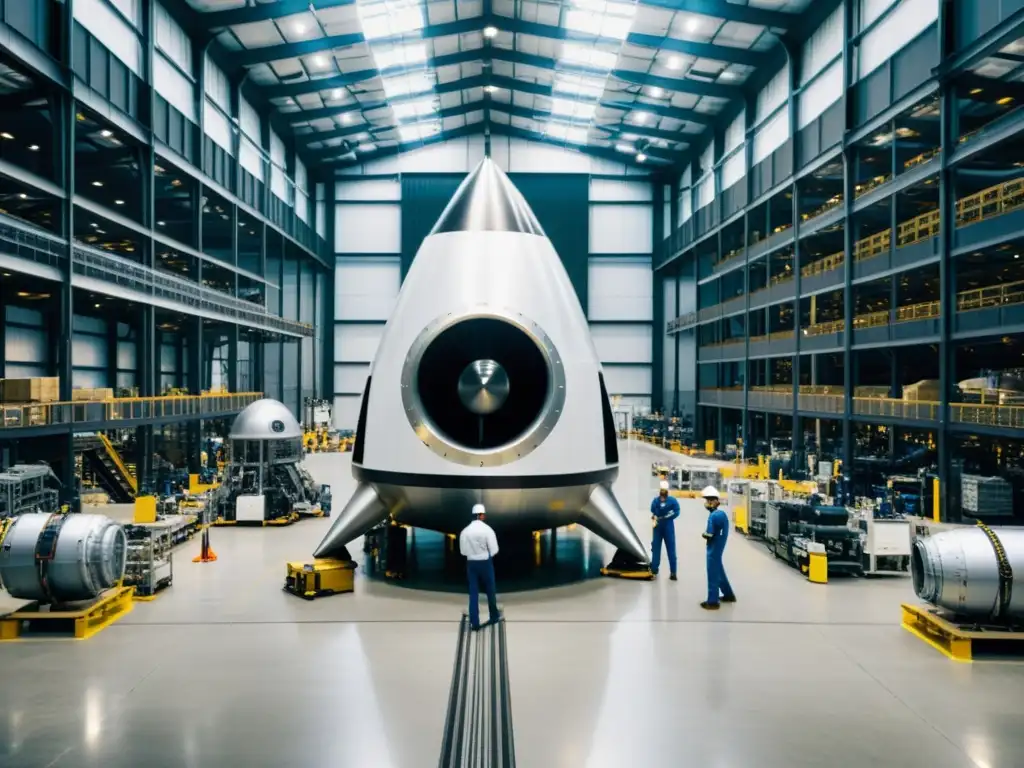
point(716, 535)
point(481, 575)
point(665, 511)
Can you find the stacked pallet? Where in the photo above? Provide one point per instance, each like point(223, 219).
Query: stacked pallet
point(986, 496)
point(97, 394)
point(41, 389)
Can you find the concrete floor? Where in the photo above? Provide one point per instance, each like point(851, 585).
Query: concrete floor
point(227, 670)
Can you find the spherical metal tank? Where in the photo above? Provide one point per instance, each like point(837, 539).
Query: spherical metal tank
point(61, 558)
point(959, 570)
point(265, 420)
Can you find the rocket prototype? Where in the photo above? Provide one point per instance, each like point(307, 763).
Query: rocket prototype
point(486, 387)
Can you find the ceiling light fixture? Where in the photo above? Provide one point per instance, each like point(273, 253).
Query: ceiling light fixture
point(641, 117)
point(490, 32)
point(641, 157)
point(692, 24)
point(33, 147)
point(366, 147)
point(299, 28)
point(490, 88)
point(625, 148)
point(23, 196)
point(106, 134)
point(6, 135)
point(319, 61)
point(601, 19)
point(656, 92)
point(390, 18)
point(674, 62)
point(119, 202)
point(347, 118)
point(97, 183)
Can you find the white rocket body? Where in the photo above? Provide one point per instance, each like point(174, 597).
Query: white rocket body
point(486, 285)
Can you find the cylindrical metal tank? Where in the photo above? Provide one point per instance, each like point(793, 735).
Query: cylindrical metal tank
point(959, 570)
point(62, 557)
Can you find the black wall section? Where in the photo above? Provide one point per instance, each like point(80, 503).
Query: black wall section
point(561, 203)
point(424, 196)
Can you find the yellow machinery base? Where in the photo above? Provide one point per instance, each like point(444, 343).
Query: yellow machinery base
point(960, 642)
point(616, 573)
point(320, 578)
point(34, 622)
point(287, 520)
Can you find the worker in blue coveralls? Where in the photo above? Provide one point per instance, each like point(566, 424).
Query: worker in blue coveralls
point(716, 535)
point(664, 511)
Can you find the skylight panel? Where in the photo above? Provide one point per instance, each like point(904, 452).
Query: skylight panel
point(411, 110)
point(565, 132)
point(595, 17)
point(578, 85)
point(418, 131)
point(402, 85)
point(390, 18)
point(589, 56)
point(580, 110)
point(408, 55)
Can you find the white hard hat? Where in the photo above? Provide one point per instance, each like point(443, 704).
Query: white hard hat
point(663, 485)
point(478, 509)
point(710, 492)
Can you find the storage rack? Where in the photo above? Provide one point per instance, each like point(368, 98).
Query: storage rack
point(148, 564)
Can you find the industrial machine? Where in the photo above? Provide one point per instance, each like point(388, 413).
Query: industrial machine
point(28, 488)
point(886, 543)
point(320, 578)
point(316, 425)
point(793, 527)
point(59, 558)
point(486, 388)
point(972, 572)
point(264, 479)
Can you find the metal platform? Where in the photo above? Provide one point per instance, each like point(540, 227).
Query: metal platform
point(962, 642)
point(75, 623)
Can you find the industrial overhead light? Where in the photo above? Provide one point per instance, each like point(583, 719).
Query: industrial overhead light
point(33, 147)
point(347, 118)
point(625, 148)
point(366, 147)
point(641, 117)
point(23, 196)
point(119, 202)
point(692, 24)
point(1005, 100)
point(299, 28)
point(106, 134)
point(674, 62)
point(490, 32)
point(319, 61)
point(97, 183)
point(490, 88)
point(655, 92)
point(6, 135)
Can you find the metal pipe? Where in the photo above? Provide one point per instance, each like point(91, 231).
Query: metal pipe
point(973, 572)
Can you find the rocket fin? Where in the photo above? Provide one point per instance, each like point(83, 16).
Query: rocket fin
point(363, 511)
point(603, 515)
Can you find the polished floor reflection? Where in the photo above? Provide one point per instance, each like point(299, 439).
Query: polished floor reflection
point(226, 669)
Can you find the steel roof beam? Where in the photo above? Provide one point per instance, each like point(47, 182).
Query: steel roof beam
point(266, 12)
point(465, 130)
point(730, 11)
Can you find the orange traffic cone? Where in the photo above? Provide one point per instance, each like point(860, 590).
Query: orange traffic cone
point(206, 553)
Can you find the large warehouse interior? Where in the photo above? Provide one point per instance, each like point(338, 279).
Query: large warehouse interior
point(569, 383)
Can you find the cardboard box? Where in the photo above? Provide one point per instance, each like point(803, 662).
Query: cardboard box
point(43, 389)
point(92, 395)
point(926, 390)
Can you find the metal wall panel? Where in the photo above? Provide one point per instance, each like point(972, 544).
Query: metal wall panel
point(627, 343)
point(366, 289)
point(619, 289)
point(356, 190)
point(368, 228)
point(345, 413)
point(350, 378)
point(620, 190)
point(356, 343)
point(25, 345)
point(624, 228)
point(628, 380)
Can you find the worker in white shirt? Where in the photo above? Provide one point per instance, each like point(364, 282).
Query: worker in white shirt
point(478, 545)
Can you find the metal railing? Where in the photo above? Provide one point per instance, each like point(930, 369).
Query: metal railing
point(993, 296)
point(124, 409)
point(23, 240)
point(1006, 416)
point(990, 202)
point(891, 408)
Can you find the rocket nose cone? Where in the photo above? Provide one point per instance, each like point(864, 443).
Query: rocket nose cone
point(487, 201)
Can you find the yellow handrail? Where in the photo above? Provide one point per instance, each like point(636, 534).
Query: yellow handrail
point(992, 296)
point(116, 458)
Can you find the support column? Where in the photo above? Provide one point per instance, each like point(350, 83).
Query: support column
point(849, 379)
point(232, 382)
point(195, 385)
point(949, 511)
point(62, 341)
point(658, 404)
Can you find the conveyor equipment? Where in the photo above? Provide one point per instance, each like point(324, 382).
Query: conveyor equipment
point(792, 527)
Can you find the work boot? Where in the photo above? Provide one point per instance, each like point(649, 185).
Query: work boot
point(673, 578)
point(709, 606)
point(729, 599)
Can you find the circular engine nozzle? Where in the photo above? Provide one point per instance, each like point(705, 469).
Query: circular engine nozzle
point(483, 387)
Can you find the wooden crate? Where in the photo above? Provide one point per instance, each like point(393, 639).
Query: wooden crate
point(97, 394)
point(41, 389)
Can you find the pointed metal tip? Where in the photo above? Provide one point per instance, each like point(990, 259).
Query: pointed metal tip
point(604, 516)
point(363, 511)
point(487, 201)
